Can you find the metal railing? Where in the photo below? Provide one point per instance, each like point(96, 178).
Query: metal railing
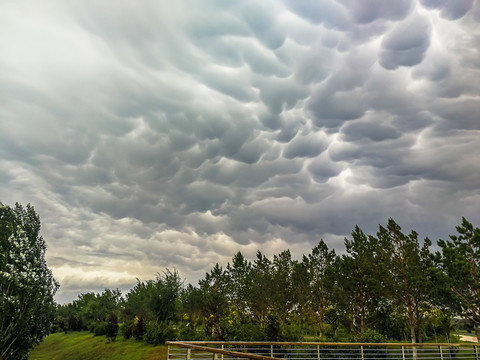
point(200, 350)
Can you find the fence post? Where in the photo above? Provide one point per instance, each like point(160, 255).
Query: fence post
point(271, 350)
point(189, 354)
point(476, 351)
point(403, 352)
point(361, 352)
point(318, 352)
point(441, 353)
point(222, 354)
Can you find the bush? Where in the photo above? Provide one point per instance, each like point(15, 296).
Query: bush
point(111, 328)
point(337, 334)
point(189, 333)
point(138, 328)
point(272, 328)
point(370, 336)
point(292, 333)
point(250, 332)
point(158, 332)
point(127, 330)
point(100, 329)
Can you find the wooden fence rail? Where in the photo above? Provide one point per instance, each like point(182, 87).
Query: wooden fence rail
point(231, 350)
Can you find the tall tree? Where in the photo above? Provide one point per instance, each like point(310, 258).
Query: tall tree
point(214, 299)
point(406, 273)
point(460, 259)
point(166, 302)
point(282, 285)
point(27, 286)
point(191, 301)
point(359, 284)
point(239, 277)
point(157, 299)
point(261, 295)
point(319, 264)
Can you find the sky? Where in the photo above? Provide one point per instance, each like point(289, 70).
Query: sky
point(172, 134)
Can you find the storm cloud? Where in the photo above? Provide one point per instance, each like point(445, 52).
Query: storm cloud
point(174, 134)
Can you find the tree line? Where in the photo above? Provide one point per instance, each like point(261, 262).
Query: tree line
point(389, 286)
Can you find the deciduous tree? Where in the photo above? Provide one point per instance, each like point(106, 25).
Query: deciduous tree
point(27, 286)
point(461, 262)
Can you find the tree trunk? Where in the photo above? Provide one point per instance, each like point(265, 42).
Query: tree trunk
point(321, 316)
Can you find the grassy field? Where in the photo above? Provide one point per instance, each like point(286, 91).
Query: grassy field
point(84, 346)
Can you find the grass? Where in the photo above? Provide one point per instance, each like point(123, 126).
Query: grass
point(85, 346)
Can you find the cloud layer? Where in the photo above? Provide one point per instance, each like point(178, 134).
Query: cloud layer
point(173, 134)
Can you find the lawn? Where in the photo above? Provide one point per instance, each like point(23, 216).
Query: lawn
point(85, 346)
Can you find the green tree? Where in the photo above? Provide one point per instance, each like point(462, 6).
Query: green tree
point(157, 299)
point(214, 300)
point(359, 289)
point(319, 264)
point(90, 309)
point(282, 285)
point(460, 258)
point(261, 295)
point(191, 303)
point(166, 302)
point(239, 277)
point(111, 328)
point(406, 274)
point(27, 287)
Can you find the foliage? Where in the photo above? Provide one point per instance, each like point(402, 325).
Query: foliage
point(405, 273)
point(99, 328)
point(359, 288)
point(238, 327)
point(460, 259)
point(139, 327)
point(88, 311)
point(157, 299)
point(111, 327)
point(157, 332)
point(214, 300)
point(126, 329)
point(272, 328)
point(370, 336)
point(384, 286)
point(27, 286)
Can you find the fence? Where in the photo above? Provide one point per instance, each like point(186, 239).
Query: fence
point(216, 350)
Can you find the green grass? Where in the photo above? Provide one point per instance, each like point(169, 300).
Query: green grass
point(85, 346)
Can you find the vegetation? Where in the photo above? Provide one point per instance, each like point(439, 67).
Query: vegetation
point(385, 287)
point(26, 284)
point(389, 286)
point(460, 261)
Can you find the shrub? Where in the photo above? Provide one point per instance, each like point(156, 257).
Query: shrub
point(138, 328)
point(99, 329)
point(158, 332)
point(291, 332)
point(272, 329)
point(189, 333)
point(127, 330)
point(111, 328)
point(370, 336)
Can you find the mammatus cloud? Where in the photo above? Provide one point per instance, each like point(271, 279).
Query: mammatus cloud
point(151, 136)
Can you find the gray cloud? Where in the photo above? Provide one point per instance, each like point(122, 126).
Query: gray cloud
point(372, 10)
point(160, 136)
point(448, 9)
point(406, 43)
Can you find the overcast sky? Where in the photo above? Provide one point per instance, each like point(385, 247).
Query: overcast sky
point(159, 134)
